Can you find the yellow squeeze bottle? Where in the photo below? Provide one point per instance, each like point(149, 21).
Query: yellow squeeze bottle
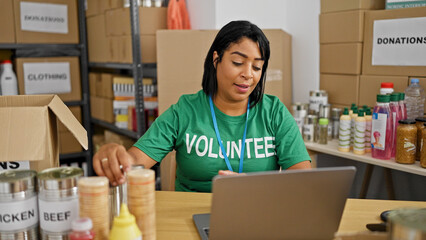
point(124, 226)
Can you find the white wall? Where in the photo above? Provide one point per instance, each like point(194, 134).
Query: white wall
point(296, 17)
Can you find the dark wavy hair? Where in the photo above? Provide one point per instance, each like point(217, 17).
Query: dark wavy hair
point(233, 32)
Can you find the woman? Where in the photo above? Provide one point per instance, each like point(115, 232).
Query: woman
point(230, 115)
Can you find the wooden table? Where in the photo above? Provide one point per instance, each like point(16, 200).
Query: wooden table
point(331, 149)
point(175, 210)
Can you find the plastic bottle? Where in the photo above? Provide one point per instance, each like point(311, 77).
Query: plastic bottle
point(402, 106)
point(381, 130)
point(344, 131)
point(359, 135)
point(353, 117)
point(396, 116)
point(414, 99)
point(8, 82)
point(386, 88)
point(323, 131)
point(368, 119)
point(82, 229)
point(124, 226)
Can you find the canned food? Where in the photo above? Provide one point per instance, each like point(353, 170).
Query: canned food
point(310, 128)
point(317, 97)
point(299, 112)
point(335, 122)
point(407, 224)
point(18, 205)
point(58, 201)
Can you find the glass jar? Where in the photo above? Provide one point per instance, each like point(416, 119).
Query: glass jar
point(423, 150)
point(406, 142)
point(420, 126)
point(323, 131)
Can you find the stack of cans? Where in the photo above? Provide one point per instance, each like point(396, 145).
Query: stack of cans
point(141, 200)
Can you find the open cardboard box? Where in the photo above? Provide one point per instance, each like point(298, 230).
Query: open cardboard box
point(29, 129)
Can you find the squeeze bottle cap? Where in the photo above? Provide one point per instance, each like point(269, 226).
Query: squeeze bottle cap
point(386, 85)
point(345, 111)
point(323, 121)
point(361, 113)
point(125, 218)
point(81, 224)
point(6, 61)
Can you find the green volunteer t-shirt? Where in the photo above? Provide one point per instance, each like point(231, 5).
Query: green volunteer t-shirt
point(273, 140)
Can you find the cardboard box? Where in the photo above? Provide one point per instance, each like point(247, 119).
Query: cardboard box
point(94, 77)
point(35, 140)
point(194, 45)
point(7, 27)
point(341, 89)
point(341, 58)
point(92, 8)
point(346, 5)
point(385, 50)
point(111, 137)
point(96, 39)
point(76, 111)
point(342, 27)
point(116, 53)
point(37, 27)
point(150, 20)
point(148, 49)
point(369, 87)
point(54, 75)
point(105, 86)
point(394, 4)
point(68, 143)
point(102, 109)
point(422, 82)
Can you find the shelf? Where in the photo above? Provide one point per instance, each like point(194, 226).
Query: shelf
point(37, 46)
point(112, 127)
point(149, 69)
point(331, 149)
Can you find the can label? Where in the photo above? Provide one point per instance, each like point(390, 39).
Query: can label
point(57, 216)
point(18, 215)
point(315, 101)
point(308, 132)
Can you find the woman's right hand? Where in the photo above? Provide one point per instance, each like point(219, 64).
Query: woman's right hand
point(112, 160)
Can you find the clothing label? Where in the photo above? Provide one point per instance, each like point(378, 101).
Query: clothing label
point(344, 133)
point(44, 17)
point(314, 102)
point(42, 78)
point(57, 216)
point(399, 42)
point(18, 215)
point(378, 130)
point(22, 165)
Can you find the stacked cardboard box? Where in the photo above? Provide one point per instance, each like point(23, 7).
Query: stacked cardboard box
point(101, 96)
point(341, 48)
point(109, 32)
point(394, 49)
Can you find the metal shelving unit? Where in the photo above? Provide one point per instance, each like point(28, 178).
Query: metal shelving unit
point(79, 50)
point(137, 70)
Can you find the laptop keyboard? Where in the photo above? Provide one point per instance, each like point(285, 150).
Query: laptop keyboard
point(206, 230)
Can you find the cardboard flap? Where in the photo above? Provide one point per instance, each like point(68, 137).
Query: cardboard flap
point(22, 131)
point(66, 117)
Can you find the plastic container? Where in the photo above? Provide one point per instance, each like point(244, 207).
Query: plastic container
point(368, 119)
point(396, 116)
point(82, 229)
point(359, 135)
point(420, 126)
point(323, 131)
point(381, 130)
point(386, 88)
point(344, 131)
point(414, 99)
point(406, 142)
point(402, 106)
point(8, 82)
point(124, 226)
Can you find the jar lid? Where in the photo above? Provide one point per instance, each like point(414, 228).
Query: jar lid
point(386, 85)
point(383, 98)
point(421, 119)
point(14, 181)
point(323, 121)
point(59, 178)
point(407, 121)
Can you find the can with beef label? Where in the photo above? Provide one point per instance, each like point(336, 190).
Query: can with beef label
point(18, 205)
point(58, 201)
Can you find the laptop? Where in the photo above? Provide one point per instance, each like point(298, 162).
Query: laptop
point(296, 204)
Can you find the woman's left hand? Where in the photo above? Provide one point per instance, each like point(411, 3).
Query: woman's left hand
point(227, 173)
